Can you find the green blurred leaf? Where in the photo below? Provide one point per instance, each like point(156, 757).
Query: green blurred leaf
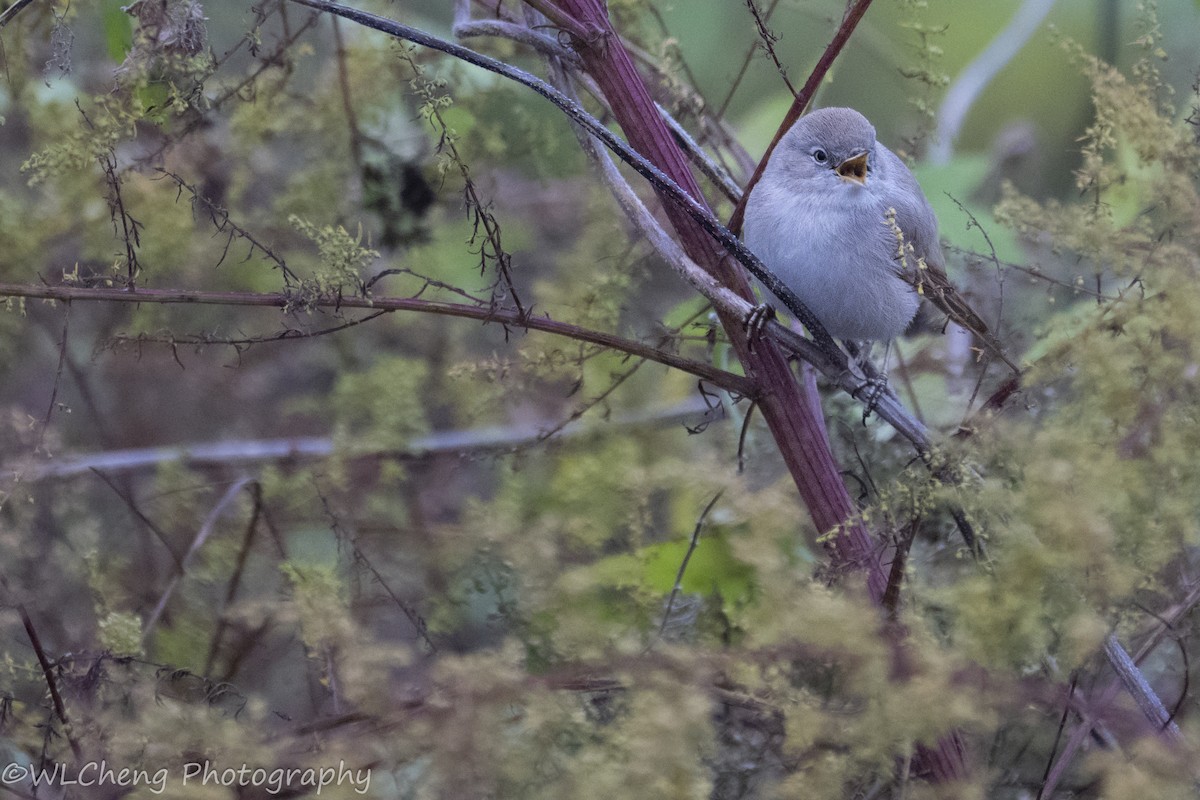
point(957, 181)
point(118, 30)
point(153, 97)
point(711, 568)
point(684, 312)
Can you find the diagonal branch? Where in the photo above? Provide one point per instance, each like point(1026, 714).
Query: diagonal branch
point(687, 556)
point(790, 408)
point(662, 182)
point(853, 15)
point(12, 11)
point(768, 38)
point(842, 374)
point(206, 529)
point(1139, 688)
point(62, 358)
point(60, 708)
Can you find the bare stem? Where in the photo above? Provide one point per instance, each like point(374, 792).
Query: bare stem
point(718, 377)
point(60, 708)
point(849, 23)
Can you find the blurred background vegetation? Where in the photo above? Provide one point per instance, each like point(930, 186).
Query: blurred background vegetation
point(455, 565)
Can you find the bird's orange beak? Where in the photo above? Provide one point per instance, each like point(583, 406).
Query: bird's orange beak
point(854, 168)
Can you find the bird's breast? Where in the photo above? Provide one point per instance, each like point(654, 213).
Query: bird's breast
point(837, 253)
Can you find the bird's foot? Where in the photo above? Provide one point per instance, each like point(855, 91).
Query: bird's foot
point(869, 392)
point(875, 383)
point(755, 323)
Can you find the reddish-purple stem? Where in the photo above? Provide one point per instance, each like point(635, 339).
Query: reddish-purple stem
point(789, 407)
point(853, 14)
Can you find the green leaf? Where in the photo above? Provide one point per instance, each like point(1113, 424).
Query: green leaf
point(118, 30)
point(711, 568)
point(153, 97)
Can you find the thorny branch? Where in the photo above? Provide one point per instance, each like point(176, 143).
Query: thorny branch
point(768, 38)
point(726, 380)
point(485, 234)
point(360, 557)
point(244, 89)
point(63, 345)
point(592, 402)
point(130, 228)
point(240, 344)
point(736, 83)
point(60, 708)
point(661, 181)
point(224, 224)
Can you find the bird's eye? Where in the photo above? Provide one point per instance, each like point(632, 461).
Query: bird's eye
point(820, 156)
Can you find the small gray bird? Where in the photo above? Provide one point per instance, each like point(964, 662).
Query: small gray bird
point(821, 218)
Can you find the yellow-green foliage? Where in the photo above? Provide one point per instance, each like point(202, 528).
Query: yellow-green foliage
point(1153, 770)
point(382, 405)
point(342, 259)
point(85, 143)
point(1100, 495)
point(318, 603)
point(121, 633)
point(492, 622)
point(926, 70)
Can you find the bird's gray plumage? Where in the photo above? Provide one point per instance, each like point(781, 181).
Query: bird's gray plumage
point(828, 236)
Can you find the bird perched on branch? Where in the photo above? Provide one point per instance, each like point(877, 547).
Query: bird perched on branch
point(842, 222)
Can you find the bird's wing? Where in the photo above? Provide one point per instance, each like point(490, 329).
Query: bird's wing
point(924, 266)
point(932, 283)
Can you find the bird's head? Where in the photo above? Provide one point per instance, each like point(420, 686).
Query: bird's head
point(830, 146)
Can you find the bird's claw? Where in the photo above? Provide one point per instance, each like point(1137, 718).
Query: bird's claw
point(755, 323)
point(869, 392)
